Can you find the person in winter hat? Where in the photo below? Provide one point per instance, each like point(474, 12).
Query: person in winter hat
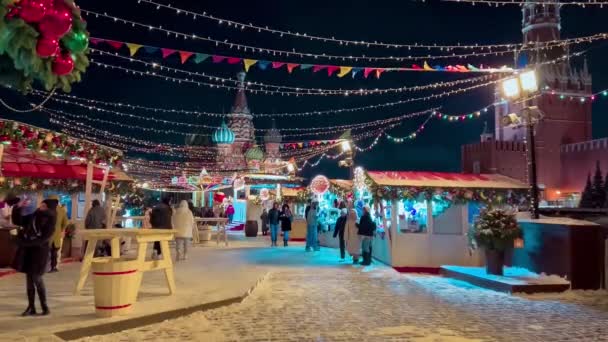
point(286, 217)
point(351, 235)
point(33, 252)
point(183, 223)
point(367, 227)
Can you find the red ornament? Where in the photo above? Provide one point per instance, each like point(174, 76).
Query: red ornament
point(47, 47)
point(32, 11)
point(57, 22)
point(63, 64)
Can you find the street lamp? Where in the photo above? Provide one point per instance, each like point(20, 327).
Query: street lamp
point(349, 160)
point(523, 87)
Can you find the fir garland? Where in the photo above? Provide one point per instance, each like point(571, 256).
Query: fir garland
point(56, 144)
point(20, 64)
point(70, 186)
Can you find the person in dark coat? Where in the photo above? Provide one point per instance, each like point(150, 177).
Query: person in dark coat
point(274, 220)
point(264, 218)
point(339, 232)
point(33, 253)
point(367, 227)
point(286, 217)
point(161, 219)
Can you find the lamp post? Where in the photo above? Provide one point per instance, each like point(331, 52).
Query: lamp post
point(524, 87)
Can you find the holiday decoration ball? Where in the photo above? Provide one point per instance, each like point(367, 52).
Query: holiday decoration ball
point(76, 42)
point(63, 65)
point(47, 47)
point(32, 11)
point(57, 22)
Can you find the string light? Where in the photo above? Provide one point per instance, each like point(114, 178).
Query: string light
point(301, 90)
point(345, 42)
point(526, 2)
point(275, 52)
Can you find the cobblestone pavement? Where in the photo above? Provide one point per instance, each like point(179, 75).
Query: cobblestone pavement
point(376, 304)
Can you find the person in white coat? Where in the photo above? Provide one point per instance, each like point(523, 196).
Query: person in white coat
point(183, 222)
point(351, 236)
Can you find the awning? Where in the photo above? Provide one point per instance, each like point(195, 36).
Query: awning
point(444, 179)
point(290, 192)
point(55, 171)
point(342, 183)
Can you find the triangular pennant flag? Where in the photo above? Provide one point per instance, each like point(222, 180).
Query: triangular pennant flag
point(344, 71)
point(233, 60)
point(367, 71)
point(331, 69)
point(462, 68)
point(300, 145)
point(167, 52)
point(150, 49)
point(277, 65)
point(248, 63)
point(450, 68)
point(356, 71)
point(200, 57)
point(95, 41)
point(472, 68)
point(427, 67)
point(218, 59)
point(115, 44)
point(184, 55)
point(317, 68)
point(263, 65)
point(379, 71)
point(133, 48)
point(438, 68)
point(416, 67)
point(305, 66)
point(291, 66)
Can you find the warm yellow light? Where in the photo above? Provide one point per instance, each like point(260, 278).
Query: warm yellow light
point(290, 167)
point(558, 192)
point(510, 87)
point(528, 81)
point(345, 146)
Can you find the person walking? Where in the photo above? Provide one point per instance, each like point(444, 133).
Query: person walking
point(367, 227)
point(61, 224)
point(339, 232)
point(95, 219)
point(230, 212)
point(183, 222)
point(286, 218)
point(264, 218)
point(161, 219)
point(273, 221)
point(312, 223)
point(146, 222)
point(33, 251)
point(351, 236)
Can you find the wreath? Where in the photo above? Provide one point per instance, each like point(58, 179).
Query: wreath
point(42, 40)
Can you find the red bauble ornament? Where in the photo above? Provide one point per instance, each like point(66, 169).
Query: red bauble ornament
point(57, 22)
point(32, 11)
point(63, 64)
point(47, 47)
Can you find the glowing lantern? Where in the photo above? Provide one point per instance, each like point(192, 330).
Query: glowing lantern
point(319, 185)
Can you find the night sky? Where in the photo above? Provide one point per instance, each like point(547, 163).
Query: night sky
point(437, 148)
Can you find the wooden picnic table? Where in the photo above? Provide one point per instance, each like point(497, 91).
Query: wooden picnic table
point(142, 237)
point(220, 222)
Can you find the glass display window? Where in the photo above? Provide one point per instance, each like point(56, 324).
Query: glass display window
point(412, 216)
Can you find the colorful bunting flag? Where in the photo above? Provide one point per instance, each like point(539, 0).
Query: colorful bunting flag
point(427, 67)
point(263, 65)
point(344, 71)
point(331, 69)
point(378, 72)
point(200, 57)
point(95, 41)
point(133, 48)
point(305, 66)
point(367, 71)
point(218, 59)
point(356, 71)
point(167, 52)
point(115, 44)
point(291, 66)
point(233, 60)
point(317, 68)
point(277, 65)
point(184, 55)
point(150, 49)
point(248, 63)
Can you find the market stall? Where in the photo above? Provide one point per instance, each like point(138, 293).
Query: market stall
point(37, 163)
point(423, 217)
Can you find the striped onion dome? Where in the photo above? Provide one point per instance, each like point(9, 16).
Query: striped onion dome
point(223, 135)
point(254, 153)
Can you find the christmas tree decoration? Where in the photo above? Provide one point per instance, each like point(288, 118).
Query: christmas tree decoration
point(31, 38)
point(47, 47)
point(63, 65)
point(319, 185)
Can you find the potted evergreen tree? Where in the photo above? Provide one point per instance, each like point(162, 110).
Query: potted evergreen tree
point(495, 230)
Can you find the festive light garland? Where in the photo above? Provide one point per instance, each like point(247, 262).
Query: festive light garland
point(346, 42)
point(301, 90)
point(275, 52)
point(338, 70)
point(522, 3)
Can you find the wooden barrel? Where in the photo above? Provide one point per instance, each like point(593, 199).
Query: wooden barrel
point(251, 228)
point(115, 283)
point(205, 233)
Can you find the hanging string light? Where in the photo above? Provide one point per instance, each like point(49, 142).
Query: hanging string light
point(280, 53)
point(345, 42)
